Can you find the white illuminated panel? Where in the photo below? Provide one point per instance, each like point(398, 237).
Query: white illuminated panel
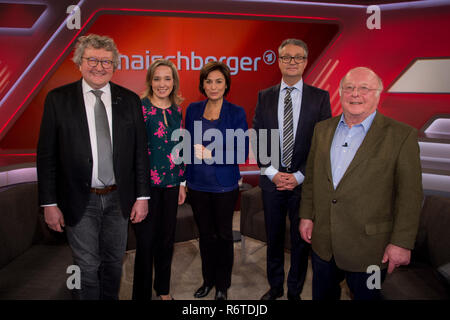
point(439, 126)
point(425, 76)
point(436, 182)
point(17, 176)
point(437, 151)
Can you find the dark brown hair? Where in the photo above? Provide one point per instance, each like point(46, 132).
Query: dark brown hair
point(213, 66)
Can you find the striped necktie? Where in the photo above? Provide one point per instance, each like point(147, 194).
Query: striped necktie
point(288, 129)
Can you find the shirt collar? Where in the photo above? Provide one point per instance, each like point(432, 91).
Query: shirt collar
point(365, 124)
point(87, 88)
point(298, 85)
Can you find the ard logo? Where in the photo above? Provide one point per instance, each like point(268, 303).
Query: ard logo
point(269, 57)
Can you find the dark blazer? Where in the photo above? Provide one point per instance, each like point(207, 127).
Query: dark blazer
point(377, 201)
point(231, 117)
point(315, 107)
point(64, 156)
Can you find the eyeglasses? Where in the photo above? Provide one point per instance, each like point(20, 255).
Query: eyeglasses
point(93, 62)
point(297, 59)
point(360, 90)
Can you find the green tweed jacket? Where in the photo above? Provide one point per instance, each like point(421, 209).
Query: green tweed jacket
point(377, 202)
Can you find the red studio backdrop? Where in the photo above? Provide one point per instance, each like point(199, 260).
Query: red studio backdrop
point(248, 47)
point(37, 55)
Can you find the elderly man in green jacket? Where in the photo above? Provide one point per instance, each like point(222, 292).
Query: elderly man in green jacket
point(362, 193)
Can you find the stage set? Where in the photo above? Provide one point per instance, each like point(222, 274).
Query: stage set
point(404, 42)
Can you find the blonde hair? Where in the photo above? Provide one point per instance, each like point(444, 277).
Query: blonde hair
point(174, 96)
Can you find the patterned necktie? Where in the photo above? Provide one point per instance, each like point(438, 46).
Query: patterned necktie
point(104, 148)
point(288, 129)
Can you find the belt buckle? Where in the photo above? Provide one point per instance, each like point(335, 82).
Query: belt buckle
point(103, 191)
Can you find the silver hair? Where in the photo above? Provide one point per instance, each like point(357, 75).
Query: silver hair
point(295, 42)
point(97, 42)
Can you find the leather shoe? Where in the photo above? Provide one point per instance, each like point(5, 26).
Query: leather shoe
point(293, 297)
point(221, 295)
point(272, 294)
point(203, 291)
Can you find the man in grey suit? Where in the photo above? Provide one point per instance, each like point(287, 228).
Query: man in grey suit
point(92, 165)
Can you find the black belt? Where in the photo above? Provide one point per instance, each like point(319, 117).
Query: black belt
point(104, 190)
point(285, 170)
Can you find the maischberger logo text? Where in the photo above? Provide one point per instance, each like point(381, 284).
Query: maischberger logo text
point(192, 61)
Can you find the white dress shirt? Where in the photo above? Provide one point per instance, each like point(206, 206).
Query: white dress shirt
point(296, 97)
point(89, 103)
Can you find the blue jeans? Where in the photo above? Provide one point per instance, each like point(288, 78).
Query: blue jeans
point(98, 245)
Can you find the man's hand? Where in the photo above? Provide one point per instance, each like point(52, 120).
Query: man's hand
point(278, 180)
point(290, 181)
point(397, 256)
point(201, 152)
point(54, 218)
point(181, 195)
point(139, 211)
point(306, 228)
point(285, 181)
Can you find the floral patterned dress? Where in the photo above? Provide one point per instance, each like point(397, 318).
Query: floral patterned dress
point(160, 123)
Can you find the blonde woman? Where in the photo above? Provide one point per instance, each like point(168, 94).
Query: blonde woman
point(155, 235)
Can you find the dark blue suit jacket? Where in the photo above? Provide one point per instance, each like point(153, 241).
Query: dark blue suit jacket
point(231, 117)
point(315, 108)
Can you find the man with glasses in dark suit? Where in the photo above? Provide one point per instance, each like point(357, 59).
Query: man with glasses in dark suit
point(92, 165)
point(290, 109)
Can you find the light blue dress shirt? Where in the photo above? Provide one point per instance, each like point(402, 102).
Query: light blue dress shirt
point(345, 143)
point(296, 97)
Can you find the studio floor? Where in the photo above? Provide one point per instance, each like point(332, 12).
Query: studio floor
point(248, 281)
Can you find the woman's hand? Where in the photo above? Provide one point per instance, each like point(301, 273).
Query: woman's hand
point(181, 195)
point(201, 152)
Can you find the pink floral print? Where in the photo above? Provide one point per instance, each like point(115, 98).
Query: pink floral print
point(160, 132)
point(155, 177)
point(172, 164)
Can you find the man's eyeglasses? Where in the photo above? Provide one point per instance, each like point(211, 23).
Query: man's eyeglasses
point(93, 62)
point(360, 90)
point(297, 59)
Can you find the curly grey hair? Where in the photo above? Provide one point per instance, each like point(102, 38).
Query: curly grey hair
point(97, 42)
